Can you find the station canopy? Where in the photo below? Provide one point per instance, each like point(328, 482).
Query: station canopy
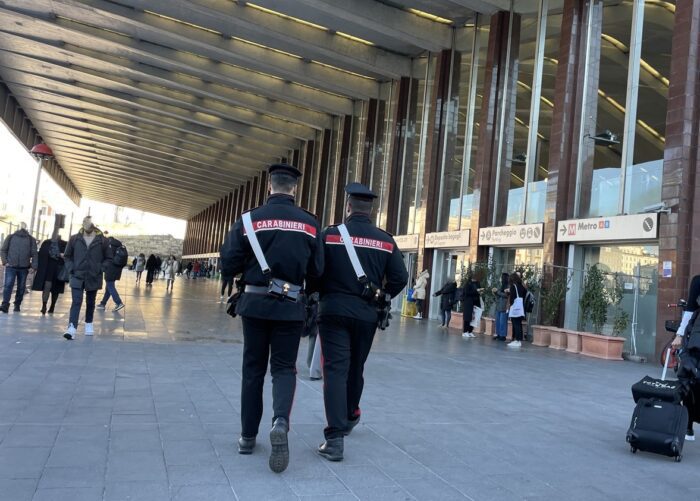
point(167, 105)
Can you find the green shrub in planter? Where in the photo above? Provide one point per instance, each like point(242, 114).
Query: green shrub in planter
point(554, 295)
point(594, 300)
point(622, 318)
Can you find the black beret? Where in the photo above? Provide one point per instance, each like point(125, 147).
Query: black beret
point(359, 190)
point(290, 170)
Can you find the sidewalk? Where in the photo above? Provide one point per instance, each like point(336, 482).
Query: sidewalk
point(148, 409)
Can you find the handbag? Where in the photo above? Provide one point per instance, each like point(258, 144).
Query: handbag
point(517, 309)
point(62, 274)
point(410, 297)
point(476, 317)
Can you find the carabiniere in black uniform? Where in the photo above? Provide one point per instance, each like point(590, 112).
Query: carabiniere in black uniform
point(290, 238)
point(348, 317)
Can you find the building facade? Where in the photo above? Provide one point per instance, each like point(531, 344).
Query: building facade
point(557, 139)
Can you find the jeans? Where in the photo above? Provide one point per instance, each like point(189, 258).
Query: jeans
point(502, 324)
point(12, 274)
point(446, 317)
point(77, 304)
point(111, 290)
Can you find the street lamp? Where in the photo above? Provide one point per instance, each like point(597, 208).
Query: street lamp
point(41, 152)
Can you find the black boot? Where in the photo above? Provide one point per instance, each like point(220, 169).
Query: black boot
point(246, 445)
point(279, 457)
point(4, 307)
point(43, 308)
point(54, 298)
point(332, 449)
point(17, 308)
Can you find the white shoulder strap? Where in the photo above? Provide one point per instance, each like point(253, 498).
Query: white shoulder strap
point(352, 254)
point(253, 239)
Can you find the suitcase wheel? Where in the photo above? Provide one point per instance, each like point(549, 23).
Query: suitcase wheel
point(633, 449)
point(679, 458)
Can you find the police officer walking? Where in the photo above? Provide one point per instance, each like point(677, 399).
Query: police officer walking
point(349, 311)
point(276, 247)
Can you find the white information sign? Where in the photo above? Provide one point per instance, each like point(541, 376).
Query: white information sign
point(447, 239)
point(509, 236)
point(407, 242)
point(614, 228)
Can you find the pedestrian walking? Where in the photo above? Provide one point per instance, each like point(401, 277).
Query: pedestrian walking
point(363, 263)
point(87, 256)
point(151, 267)
point(501, 294)
point(447, 300)
point(170, 265)
point(276, 247)
point(188, 269)
point(196, 269)
point(516, 313)
point(139, 266)
point(471, 298)
point(419, 292)
point(51, 265)
point(113, 273)
point(18, 254)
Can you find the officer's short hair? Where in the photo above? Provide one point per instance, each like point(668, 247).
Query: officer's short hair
point(282, 182)
point(360, 204)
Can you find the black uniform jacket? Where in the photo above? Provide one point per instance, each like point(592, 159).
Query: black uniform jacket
point(381, 260)
point(290, 239)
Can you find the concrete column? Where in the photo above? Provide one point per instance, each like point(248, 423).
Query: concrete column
point(679, 232)
point(368, 143)
point(399, 121)
point(323, 173)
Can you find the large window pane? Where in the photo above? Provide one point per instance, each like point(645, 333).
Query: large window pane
point(643, 178)
point(603, 144)
point(380, 178)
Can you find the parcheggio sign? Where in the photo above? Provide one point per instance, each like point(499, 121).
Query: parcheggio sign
point(508, 236)
point(614, 228)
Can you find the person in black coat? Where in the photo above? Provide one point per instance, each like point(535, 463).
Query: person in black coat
point(690, 357)
point(87, 257)
point(151, 267)
point(113, 274)
point(447, 299)
point(471, 297)
point(46, 278)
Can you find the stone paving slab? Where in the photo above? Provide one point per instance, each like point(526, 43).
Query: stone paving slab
point(149, 408)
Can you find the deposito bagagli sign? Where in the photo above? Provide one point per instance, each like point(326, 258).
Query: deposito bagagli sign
point(506, 236)
point(447, 239)
point(609, 229)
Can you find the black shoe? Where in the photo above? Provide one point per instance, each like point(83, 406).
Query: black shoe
point(332, 449)
point(43, 309)
point(5, 308)
point(351, 424)
point(50, 311)
point(246, 445)
point(16, 308)
point(315, 378)
point(279, 457)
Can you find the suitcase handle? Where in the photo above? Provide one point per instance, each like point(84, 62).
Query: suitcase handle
point(668, 356)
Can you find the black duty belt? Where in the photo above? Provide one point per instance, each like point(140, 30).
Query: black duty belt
point(277, 288)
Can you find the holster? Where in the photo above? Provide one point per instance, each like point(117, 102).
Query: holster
point(284, 290)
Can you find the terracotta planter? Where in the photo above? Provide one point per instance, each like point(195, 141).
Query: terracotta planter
point(540, 335)
point(456, 321)
point(573, 341)
point(489, 326)
point(599, 346)
point(557, 339)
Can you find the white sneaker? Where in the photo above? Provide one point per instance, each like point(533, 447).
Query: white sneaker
point(690, 438)
point(70, 332)
point(222, 299)
point(89, 331)
point(514, 344)
point(467, 335)
point(418, 317)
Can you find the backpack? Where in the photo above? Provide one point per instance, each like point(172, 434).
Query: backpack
point(529, 302)
point(121, 257)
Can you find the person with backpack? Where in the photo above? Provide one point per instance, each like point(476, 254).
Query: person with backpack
point(447, 300)
point(113, 273)
point(18, 254)
point(516, 313)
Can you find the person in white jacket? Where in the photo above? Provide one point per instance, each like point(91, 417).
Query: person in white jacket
point(419, 292)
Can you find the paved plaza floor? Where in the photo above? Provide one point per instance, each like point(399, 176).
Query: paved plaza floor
point(148, 409)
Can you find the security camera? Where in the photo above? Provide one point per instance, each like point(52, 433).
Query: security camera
point(661, 207)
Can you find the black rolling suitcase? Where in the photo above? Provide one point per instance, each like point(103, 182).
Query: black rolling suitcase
point(658, 427)
point(659, 421)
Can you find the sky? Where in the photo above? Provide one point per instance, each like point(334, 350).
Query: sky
point(17, 183)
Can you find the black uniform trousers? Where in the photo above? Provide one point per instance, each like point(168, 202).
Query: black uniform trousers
point(345, 344)
point(277, 341)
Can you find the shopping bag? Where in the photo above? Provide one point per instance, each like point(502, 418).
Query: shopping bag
point(476, 318)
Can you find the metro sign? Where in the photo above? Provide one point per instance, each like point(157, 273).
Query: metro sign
point(614, 228)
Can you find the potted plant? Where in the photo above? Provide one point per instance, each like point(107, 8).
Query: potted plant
point(552, 296)
point(594, 303)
